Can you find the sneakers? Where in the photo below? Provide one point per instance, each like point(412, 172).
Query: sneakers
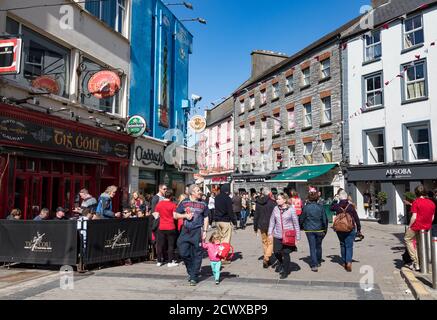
point(158, 264)
point(319, 265)
point(314, 269)
point(217, 282)
point(283, 276)
point(172, 264)
point(278, 268)
point(193, 283)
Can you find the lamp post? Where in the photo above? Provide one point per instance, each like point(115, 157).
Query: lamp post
point(185, 4)
point(200, 20)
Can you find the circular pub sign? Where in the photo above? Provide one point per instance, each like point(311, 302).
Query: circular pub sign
point(197, 124)
point(136, 126)
point(104, 84)
point(46, 83)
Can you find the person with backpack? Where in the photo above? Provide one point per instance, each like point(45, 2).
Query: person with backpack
point(346, 224)
point(314, 222)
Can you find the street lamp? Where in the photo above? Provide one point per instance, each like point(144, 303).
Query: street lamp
point(185, 4)
point(200, 20)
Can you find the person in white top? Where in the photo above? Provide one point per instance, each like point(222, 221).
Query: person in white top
point(211, 207)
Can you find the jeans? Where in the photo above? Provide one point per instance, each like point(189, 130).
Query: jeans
point(190, 250)
point(282, 253)
point(243, 218)
point(215, 266)
point(315, 242)
point(347, 245)
point(165, 243)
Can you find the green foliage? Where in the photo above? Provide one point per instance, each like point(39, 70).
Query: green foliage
point(382, 198)
point(410, 196)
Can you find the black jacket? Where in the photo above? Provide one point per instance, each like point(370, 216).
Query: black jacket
point(263, 212)
point(223, 207)
point(313, 217)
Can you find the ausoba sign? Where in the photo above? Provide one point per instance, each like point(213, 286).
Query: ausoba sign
point(136, 126)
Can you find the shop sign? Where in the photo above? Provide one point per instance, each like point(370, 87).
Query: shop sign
point(10, 55)
point(197, 124)
point(46, 83)
point(136, 126)
point(401, 172)
point(222, 179)
point(104, 84)
point(148, 155)
point(60, 139)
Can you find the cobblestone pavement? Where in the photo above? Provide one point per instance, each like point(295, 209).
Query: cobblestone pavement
point(245, 278)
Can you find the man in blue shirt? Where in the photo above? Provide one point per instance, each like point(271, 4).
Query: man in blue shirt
point(195, 215)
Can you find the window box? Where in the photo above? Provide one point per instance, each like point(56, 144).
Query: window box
point(373, 109)
point(263, 104)
point(290, 131)
point(306, 128)
point(289, 93)
point(275, 99)
point(325, 124)
point(276, 135)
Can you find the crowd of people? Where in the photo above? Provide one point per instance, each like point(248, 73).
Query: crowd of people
point(178, 225)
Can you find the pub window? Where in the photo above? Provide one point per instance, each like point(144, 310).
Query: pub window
point(31, 165)
point(375, 147)
point(291, 155)
point(374, 91)
point(308, 120)
point(56, 166)
point(111, 104)
point(68, 167)
point(326, 107)
point(41, 58)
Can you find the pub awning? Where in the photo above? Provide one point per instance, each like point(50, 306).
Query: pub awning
point(303, 173)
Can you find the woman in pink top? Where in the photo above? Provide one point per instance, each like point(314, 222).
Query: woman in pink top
point(213, 246)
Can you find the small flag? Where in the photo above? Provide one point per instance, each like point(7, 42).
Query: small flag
point(432, 44)
point(344, 46)
point(417, 56)
point(405, 68)
point(385, 26)
point(423, 6)
point(400, 76)
point(387, 83)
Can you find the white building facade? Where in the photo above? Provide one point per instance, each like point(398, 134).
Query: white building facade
point(389, 107)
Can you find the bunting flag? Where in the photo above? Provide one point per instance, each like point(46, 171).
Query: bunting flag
point(344, 46)
point(385, 26)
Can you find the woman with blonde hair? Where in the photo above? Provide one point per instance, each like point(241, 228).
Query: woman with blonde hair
point(104, 206)
point(137, 203)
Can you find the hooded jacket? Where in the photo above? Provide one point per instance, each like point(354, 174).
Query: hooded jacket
point(263, 212)
point(223, 207)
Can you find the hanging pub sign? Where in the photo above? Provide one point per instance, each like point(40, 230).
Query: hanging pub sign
point(46, 83)
point(10, 55)
point(104, 84)
point(197, 124)
point(136, 126)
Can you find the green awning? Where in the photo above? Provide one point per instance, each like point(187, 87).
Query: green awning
point(303, 173)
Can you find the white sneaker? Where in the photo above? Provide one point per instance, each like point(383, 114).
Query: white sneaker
point(158, 264)
point(172, 264)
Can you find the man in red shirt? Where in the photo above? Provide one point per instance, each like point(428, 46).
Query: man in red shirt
point(422, 214)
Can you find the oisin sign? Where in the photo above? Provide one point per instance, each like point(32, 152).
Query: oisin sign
point(147, 154)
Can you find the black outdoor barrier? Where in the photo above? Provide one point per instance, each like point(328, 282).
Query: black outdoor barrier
point(39, 242)
point(110, 240)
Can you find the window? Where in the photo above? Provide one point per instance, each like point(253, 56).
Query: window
point(41, 58)
point(372, 46)
point(242, 135)
point(308, 153)
point(241, 106)
point(264, 128)
point(228, 160)
point(275, 91)
point(218, 141)
point(111, 104)
point(308, 120)
point(326, 105)
point(252, 132)
point(415, 80)
point(291, 156)
point(263, 96)
point(112, 12)
point(228, 132)
point(290, 119)
point(218, 163)
point(373, 90)
point(325, 67)
point(418, 143)
point(252, 102)
point(375, 147)
point(289, 84)
point(413, 32)
point(277, 124)
point(278, 159)
point(306, 77)
point(327, 150)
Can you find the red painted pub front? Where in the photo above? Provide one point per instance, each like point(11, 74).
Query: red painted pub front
point(46, 160)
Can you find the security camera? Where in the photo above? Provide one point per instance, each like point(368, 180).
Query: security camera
point(196, 98)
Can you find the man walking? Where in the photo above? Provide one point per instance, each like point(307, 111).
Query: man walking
point(422, 214)
point(264, 208)
point(195, 215)
point(237, 206)
point(224, 214)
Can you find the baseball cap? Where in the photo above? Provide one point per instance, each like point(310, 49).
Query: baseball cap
point(61, 209)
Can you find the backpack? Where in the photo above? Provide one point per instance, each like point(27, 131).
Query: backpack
point(343, 221)
point(223, 251)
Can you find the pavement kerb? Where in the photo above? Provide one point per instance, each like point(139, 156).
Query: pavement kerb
point(417, 287)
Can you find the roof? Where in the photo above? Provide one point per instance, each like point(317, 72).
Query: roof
point(296, 56)
point(221, 112)
point(390, 11)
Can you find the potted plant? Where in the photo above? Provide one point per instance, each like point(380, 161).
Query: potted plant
point(382, 197)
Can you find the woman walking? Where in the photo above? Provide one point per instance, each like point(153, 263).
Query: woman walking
point(315, 223)
point(347, 226)
point(283, 219)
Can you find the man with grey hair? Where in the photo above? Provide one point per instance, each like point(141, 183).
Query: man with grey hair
point(264, 208)
point(43, 215)
point(195, 215)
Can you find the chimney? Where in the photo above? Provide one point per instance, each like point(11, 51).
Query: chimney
point(262, 60)
point(378, 3)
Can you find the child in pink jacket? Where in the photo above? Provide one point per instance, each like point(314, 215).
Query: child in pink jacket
point(213, 246)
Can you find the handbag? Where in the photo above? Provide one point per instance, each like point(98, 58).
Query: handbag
point(288, 236)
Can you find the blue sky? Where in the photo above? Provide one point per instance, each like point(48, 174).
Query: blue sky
point(221, 49)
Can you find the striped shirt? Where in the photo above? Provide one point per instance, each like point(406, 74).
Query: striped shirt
point(289, 218)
